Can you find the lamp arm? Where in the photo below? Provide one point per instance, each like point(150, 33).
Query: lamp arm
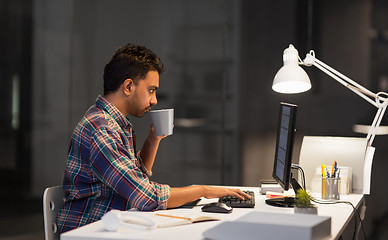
point(378, 101)
point(342, 79)
point(375, 124)
point(354, 89)
point(348, 80)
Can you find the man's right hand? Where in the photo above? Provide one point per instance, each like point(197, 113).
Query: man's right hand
point(216, 192)
point(183, 195)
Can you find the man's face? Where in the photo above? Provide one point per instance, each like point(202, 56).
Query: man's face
point(143, 94)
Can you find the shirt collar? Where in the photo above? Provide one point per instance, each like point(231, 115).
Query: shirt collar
point(108, 107)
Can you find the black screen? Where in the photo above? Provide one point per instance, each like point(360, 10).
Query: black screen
point(284, 144)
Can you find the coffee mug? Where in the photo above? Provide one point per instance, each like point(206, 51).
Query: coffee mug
point(163, 121)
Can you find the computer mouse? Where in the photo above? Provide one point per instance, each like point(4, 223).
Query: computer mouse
point(217, 207)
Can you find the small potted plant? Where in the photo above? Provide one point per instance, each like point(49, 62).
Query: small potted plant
point(303, 203)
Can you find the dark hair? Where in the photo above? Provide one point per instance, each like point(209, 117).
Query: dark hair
point(129, 61)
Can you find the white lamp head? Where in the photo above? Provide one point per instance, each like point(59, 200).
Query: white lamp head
point(291, 78)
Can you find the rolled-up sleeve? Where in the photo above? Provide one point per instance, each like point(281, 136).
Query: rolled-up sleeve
point(118, 167)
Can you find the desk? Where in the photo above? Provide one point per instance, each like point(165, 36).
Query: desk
point(341, 214)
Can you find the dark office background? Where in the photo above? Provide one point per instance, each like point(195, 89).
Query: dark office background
point(220, 56)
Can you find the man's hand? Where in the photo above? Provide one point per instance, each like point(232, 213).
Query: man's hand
point(216, 192)
point(183, 195)
point(152, 135)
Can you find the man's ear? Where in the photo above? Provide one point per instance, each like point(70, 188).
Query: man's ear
point(127, 85)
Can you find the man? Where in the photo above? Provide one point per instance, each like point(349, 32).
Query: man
point(103, 170)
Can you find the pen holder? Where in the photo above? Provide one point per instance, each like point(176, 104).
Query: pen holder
point(331, 188)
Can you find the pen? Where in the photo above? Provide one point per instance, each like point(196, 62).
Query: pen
point(335, 169)
point(327, 172)
point(323, 170)
point(165, 215)
point(338, 173)
point(332, 169)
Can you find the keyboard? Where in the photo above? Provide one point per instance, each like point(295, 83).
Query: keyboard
point(238, 203)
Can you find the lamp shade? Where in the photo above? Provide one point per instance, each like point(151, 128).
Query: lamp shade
point(291, 78)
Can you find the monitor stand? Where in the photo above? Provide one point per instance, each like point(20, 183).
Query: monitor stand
point(281, 202)
point(285, 201)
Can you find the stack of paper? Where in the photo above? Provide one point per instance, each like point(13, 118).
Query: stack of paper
point(273, 187)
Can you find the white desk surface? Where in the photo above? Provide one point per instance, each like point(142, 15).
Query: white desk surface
point(340, 215)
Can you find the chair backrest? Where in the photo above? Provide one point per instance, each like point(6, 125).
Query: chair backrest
point(52, 201)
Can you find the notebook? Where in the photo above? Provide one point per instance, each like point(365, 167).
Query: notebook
point(115, 219)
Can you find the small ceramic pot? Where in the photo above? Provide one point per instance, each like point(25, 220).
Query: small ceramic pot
point(308, 210)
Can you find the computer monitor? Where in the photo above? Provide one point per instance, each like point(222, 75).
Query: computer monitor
point(284, 144)
point(283, 153)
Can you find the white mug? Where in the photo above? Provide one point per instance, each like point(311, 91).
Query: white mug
point(163, 121)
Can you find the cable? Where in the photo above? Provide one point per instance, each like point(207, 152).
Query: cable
point(321, 201)
point(296, 166)
point(362, 214)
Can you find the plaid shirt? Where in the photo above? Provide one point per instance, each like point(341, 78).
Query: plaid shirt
point(103, 172)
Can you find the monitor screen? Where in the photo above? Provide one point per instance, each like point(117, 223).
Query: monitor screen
point(284, 144)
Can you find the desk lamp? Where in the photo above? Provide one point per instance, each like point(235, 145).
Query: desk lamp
point(291, 78)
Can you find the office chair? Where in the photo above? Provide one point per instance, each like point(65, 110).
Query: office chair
point(52, 201)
